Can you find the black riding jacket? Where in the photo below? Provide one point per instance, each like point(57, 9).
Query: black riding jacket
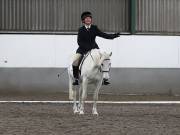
point(86, 38)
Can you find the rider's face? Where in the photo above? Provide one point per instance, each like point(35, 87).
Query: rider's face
point(88, 20)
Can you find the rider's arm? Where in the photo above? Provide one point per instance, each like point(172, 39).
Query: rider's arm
point(105, 35)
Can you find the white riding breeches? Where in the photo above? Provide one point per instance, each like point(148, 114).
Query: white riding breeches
point(76, 59)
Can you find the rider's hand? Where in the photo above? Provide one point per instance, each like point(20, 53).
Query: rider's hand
point(116, 35)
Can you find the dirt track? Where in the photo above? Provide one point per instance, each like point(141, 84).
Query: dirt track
point(58, 119)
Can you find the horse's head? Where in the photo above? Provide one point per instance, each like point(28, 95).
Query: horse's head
point(106, 64)
point(101, 60)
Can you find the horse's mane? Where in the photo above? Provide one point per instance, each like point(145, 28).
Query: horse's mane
point(98, 56)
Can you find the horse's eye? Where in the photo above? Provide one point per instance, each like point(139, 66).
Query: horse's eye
point(102, 64)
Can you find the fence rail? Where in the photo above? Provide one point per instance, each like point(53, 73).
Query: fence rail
point(63, 16)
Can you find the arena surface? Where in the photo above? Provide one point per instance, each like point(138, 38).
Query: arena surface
point(113, 119)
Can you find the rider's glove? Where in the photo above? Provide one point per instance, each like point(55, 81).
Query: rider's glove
point(116, 35)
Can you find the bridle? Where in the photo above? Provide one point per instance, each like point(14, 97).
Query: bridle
point(101, 67)
point(104, 71)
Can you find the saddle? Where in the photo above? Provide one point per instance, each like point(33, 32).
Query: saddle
point(81, 61)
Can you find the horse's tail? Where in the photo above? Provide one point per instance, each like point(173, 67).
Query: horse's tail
point(70, 84)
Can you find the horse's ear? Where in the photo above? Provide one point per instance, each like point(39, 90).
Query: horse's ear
point(110, 54)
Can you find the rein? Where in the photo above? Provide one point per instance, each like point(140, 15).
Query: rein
point(91, 55)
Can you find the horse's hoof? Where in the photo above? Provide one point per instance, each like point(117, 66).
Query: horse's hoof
point(75, 112)
point(95, 114)
point(81, 113)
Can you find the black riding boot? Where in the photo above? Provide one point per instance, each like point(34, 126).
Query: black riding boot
point(106, 82)
point(76, 75)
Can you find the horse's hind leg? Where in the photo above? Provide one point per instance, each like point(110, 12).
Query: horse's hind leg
point(95, 98)
point(71, 91)
point(83, 95)
point(72, 96)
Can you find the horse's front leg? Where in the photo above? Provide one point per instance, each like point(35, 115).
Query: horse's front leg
point(83, 95)
point(75, 107)
point(80, 93)
point(95, 98)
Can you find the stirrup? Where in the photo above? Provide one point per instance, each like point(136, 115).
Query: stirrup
point(76, 82)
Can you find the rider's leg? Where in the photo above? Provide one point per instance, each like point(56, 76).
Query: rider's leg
point(75, 66)
point(106, 78)
point(106, 82)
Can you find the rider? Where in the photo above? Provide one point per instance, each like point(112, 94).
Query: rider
point(86, 41)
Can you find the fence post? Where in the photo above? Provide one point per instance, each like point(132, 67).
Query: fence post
point(133, 16)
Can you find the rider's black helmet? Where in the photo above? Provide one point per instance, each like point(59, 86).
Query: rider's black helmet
point(85, 14)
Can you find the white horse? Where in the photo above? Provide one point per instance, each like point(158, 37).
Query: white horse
point(94, 69)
